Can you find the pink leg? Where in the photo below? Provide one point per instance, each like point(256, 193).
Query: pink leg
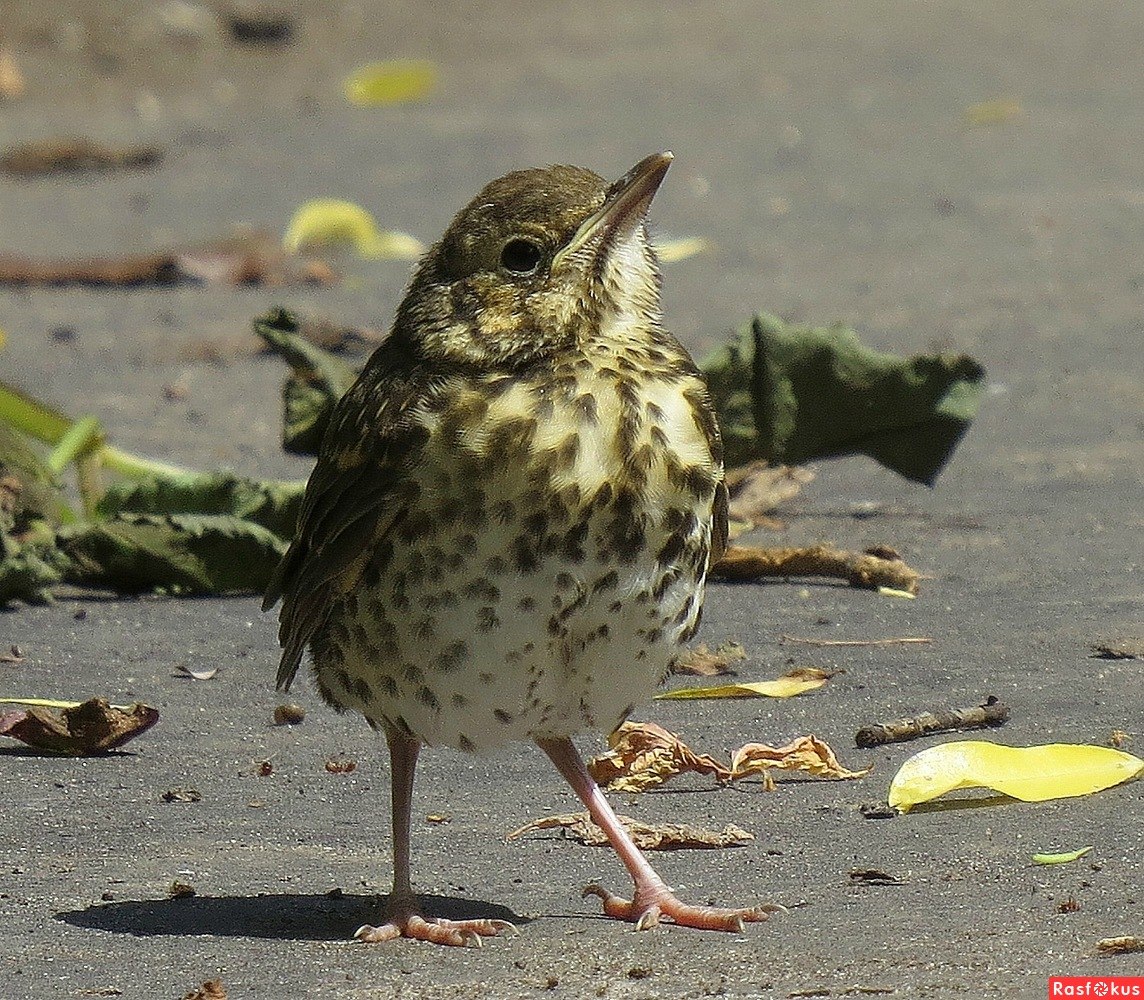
point(652, 899)
point(403, 914)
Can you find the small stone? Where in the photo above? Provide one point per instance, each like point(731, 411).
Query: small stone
point(261, 27)
point(289, 715)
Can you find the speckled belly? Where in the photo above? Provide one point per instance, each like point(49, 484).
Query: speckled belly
point(536, 587)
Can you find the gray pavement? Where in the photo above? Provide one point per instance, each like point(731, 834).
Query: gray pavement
point(822, 147)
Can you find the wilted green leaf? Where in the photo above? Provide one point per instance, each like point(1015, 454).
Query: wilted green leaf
point(274, 505)
point(27, 572)
point(184, 553)
point(319, 379)
point(789, 394)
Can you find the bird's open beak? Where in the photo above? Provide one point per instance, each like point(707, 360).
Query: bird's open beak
point(624, 207)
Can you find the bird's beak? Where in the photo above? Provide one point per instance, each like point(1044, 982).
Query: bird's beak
point(624, 208)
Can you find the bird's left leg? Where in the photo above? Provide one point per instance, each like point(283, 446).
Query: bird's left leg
point(652, 900)
point(403, 914)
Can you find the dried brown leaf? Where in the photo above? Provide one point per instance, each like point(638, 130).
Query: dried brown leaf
point(12, 83)
point(807, 753)
point(246, 258)
point(1127, 649)
point(757, 488)
point(704, 662)
point(647, 836)
point(93, 727)
point(644, 755)
point(872, 876)
point(212, 989)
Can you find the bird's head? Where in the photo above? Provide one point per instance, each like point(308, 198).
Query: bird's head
point(541, 260)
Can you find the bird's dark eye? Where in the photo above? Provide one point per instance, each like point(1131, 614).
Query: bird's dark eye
point(521, 256)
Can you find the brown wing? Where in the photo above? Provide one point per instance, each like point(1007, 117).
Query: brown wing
point(704, 411)
point(358, 491)
point(720, 527)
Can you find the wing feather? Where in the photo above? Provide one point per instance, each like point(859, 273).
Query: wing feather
point(358, 491)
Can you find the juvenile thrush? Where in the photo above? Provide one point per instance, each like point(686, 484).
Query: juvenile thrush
point(508, 529)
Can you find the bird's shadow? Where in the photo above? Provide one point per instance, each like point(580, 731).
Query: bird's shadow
point(284, 916)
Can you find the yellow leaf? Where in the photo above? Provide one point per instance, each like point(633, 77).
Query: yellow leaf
point(393, 81)
point(895, 592)
point(996, 112)
point(795, 682)
point(1060, 859)
point(1032, 774)
point(331, 222)
point(670, 251)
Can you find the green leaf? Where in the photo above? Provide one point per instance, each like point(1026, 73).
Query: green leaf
point(271, 504)
point(80, 439)
point(28, 489)
point(32, 417)
point(183, 553)
point(37, 420)
point(789, 394)
point(319, 379)
point(1061, 859)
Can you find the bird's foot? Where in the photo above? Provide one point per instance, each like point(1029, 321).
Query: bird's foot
point(458, 933)
point(652, 904)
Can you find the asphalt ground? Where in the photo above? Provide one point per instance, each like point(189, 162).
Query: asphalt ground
point(826, 151)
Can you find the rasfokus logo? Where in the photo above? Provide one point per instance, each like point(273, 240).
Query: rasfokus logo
point(1101, 987)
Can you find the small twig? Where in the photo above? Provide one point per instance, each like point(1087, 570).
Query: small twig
point(896, 641)
point(50, 156)
point(861, 569)
point(990, 712)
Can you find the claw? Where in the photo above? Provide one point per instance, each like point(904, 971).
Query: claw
point(457, 933)
point(653, 905)
point(648, 919)
point(375, 935)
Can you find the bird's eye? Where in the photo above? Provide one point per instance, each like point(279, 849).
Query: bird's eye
point(521, 256)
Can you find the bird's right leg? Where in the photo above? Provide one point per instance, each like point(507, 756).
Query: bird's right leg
point(403, 912)
point(651, 899)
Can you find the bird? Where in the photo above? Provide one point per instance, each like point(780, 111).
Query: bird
point(507, 532)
